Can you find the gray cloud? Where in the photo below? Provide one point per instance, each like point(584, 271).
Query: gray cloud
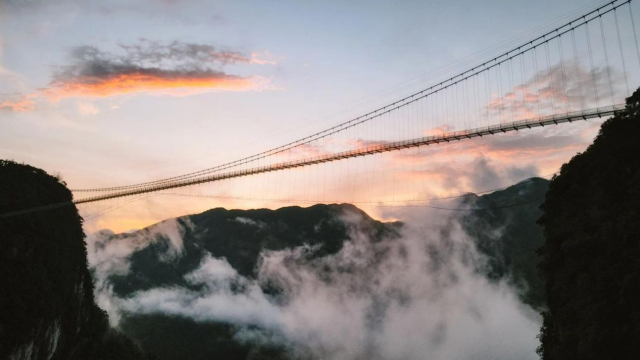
point(560, 88)
point(173, 61)
point(147, 66)
point(177, 68)
point(154, 52)
point(485, 176)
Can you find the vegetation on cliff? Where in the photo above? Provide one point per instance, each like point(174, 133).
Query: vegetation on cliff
point(46, 298)
point(591, 255)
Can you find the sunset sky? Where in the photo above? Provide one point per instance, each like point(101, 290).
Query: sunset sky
point(115, 92)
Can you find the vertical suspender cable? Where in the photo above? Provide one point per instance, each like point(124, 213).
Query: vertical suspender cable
point(499, 89)
point(445, 107)
point(487, 85)
point(535, 69)
point(523, 76)
point(564, 77)
point(422, 116)
point(606, 59)
point(455, 109)
point(549, 78)
point(624, 66)
point(593, 70)
point(462, 104)
point(635, 35)
point(467, 112)
point(475, 97)
point(578, 72)
point(512, 90)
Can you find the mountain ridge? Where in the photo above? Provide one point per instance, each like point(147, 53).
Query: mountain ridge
point(239, 237)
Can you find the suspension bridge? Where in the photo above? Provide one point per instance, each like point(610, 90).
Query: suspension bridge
point(582, 69)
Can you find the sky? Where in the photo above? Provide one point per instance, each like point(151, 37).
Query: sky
point(109, 93)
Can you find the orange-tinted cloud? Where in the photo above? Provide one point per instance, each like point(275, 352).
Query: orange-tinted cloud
point(165, 82)
point(264, 59)
point(22, 105)
point(176, 69)
point(563, 87)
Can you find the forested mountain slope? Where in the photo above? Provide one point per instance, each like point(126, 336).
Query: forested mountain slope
point(591, 255)
point(47, 309)
point(164, 257)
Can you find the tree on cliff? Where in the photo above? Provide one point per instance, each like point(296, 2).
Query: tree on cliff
point(591, 255)
point(47, 309)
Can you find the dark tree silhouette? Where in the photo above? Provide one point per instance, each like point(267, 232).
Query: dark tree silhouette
point(591, 255)
point(47, 307)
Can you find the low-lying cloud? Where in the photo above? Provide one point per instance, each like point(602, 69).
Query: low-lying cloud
point(109, 255)
point(416, 296)
point(219, 300)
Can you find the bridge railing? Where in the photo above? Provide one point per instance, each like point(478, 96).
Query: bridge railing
point(373, 149)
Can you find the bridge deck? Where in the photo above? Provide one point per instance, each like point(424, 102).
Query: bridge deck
point(369, 150)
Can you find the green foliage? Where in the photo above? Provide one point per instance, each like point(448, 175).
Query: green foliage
point(219, 232)
point(239, 236)
point(510, 237)
point(46, 292)
point(181, 338)
point(590, 259)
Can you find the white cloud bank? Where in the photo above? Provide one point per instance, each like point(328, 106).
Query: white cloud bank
point(110, 256)
point(419, 296)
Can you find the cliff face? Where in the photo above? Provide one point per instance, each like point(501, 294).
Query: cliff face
point(46, 291)
point(592, 248)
